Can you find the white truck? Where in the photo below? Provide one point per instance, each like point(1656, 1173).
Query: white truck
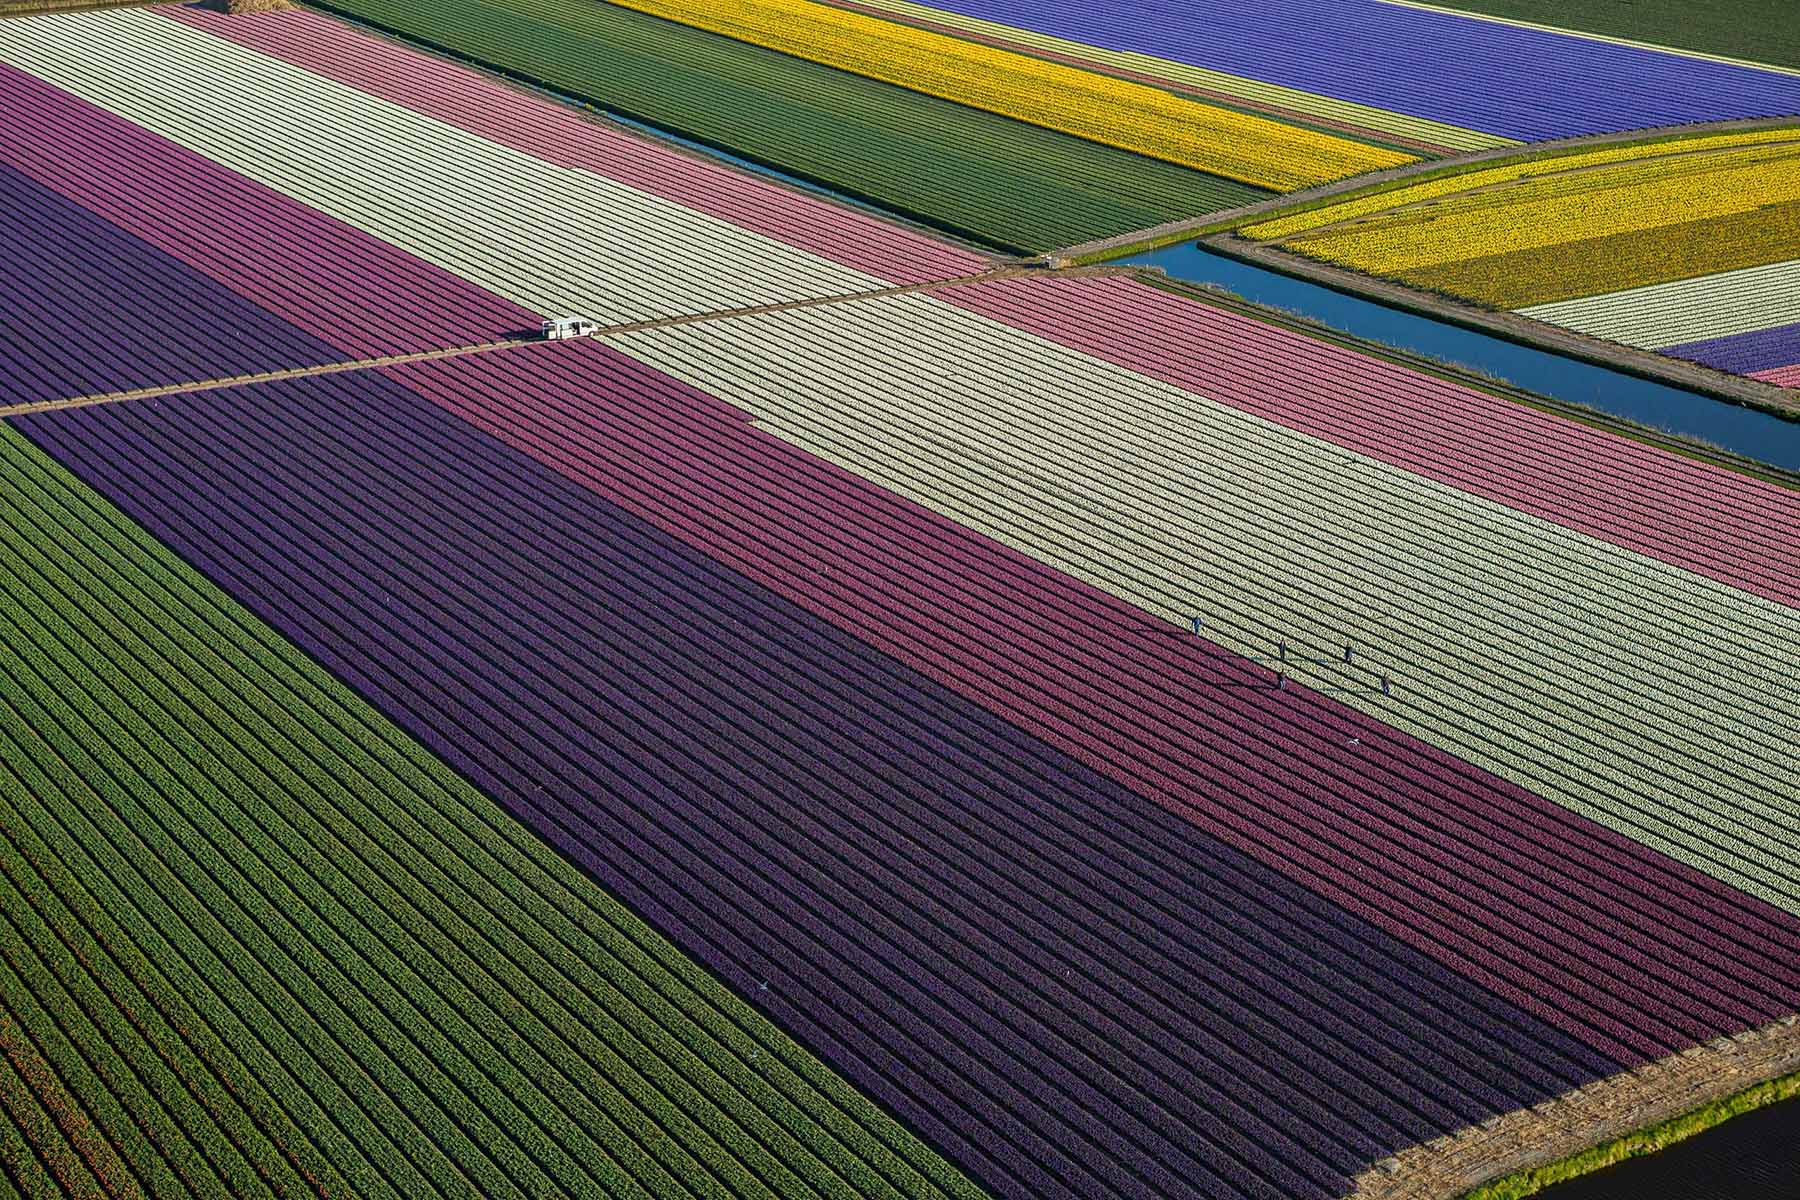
point(562, 328)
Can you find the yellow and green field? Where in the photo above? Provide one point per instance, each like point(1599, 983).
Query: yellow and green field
point(1538, 230)
point(1100, 108)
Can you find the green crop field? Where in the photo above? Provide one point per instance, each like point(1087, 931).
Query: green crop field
point(1759, 30)
point(253, 941)
point(987, 177)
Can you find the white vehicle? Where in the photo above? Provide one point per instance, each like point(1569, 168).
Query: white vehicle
point(563, 328)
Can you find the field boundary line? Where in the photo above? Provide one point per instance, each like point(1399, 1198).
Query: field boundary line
point(1585, 1117)
point(1590, 36)
point(992, 275)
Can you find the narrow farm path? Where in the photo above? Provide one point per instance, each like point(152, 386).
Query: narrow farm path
point(524, 339)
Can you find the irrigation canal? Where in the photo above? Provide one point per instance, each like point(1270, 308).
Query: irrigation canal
point(1752, 1157)
point(1745, 431)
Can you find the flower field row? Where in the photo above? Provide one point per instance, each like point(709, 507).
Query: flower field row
point(690, 707)
point(1744, 303)
point(1488, 177)
point(1592, 266)
point(264, 944)
point(1004, 182)
point(1510, 82)
point(776, 797)
point(1492, 666)
point(1115, 112)
point(79, 292)
point(1565, 206)
point(556, 134)
point(1375, 123)
point(1689, 240)
point(573, 241)
point(197, 268)
point(1771, 353)
point(1049, 738)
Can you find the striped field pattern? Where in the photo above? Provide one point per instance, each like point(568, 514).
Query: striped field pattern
point(81, 296)
point(773, 797)
point(1505, 172)
point(1179, 76)
point(1043, 737)
point(1670, 245)
point(569, 240)
point(553, 133)
point(984, 176)
point(346, 585)
point(262, 943)
point(1742, 32)
point(1686, 310)
point(1502, 658)
point(1758, 352)
point(210, 259)
point(1569, 270)
point(1114, 112)
point(1562, 204)
point(1515, 83)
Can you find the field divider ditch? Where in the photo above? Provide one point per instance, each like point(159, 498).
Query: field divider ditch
point(991, 275)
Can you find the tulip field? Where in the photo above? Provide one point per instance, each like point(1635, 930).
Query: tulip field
point(876, 718)
point(1500, 80)
point(1686, 246)
point(1122, 113)
point(1005, 182)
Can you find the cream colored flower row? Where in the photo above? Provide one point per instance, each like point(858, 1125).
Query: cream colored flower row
point(554, 239)
point(1648, 698)
point(1686, 310)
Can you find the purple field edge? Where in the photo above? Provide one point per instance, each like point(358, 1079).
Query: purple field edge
point(1743, 353)
point(87, 308)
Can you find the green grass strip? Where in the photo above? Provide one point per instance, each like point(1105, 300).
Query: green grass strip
point(996, 180)
point(1644, 1141)
point(261, 942)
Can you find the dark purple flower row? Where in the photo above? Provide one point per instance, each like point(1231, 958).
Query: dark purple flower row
point(1067, 988)
point(87, 308)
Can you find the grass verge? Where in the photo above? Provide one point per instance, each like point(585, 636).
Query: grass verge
point(1644, 1141)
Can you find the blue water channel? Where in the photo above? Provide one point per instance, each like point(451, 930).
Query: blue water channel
point(1746, 431)
point(1751, 1157)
